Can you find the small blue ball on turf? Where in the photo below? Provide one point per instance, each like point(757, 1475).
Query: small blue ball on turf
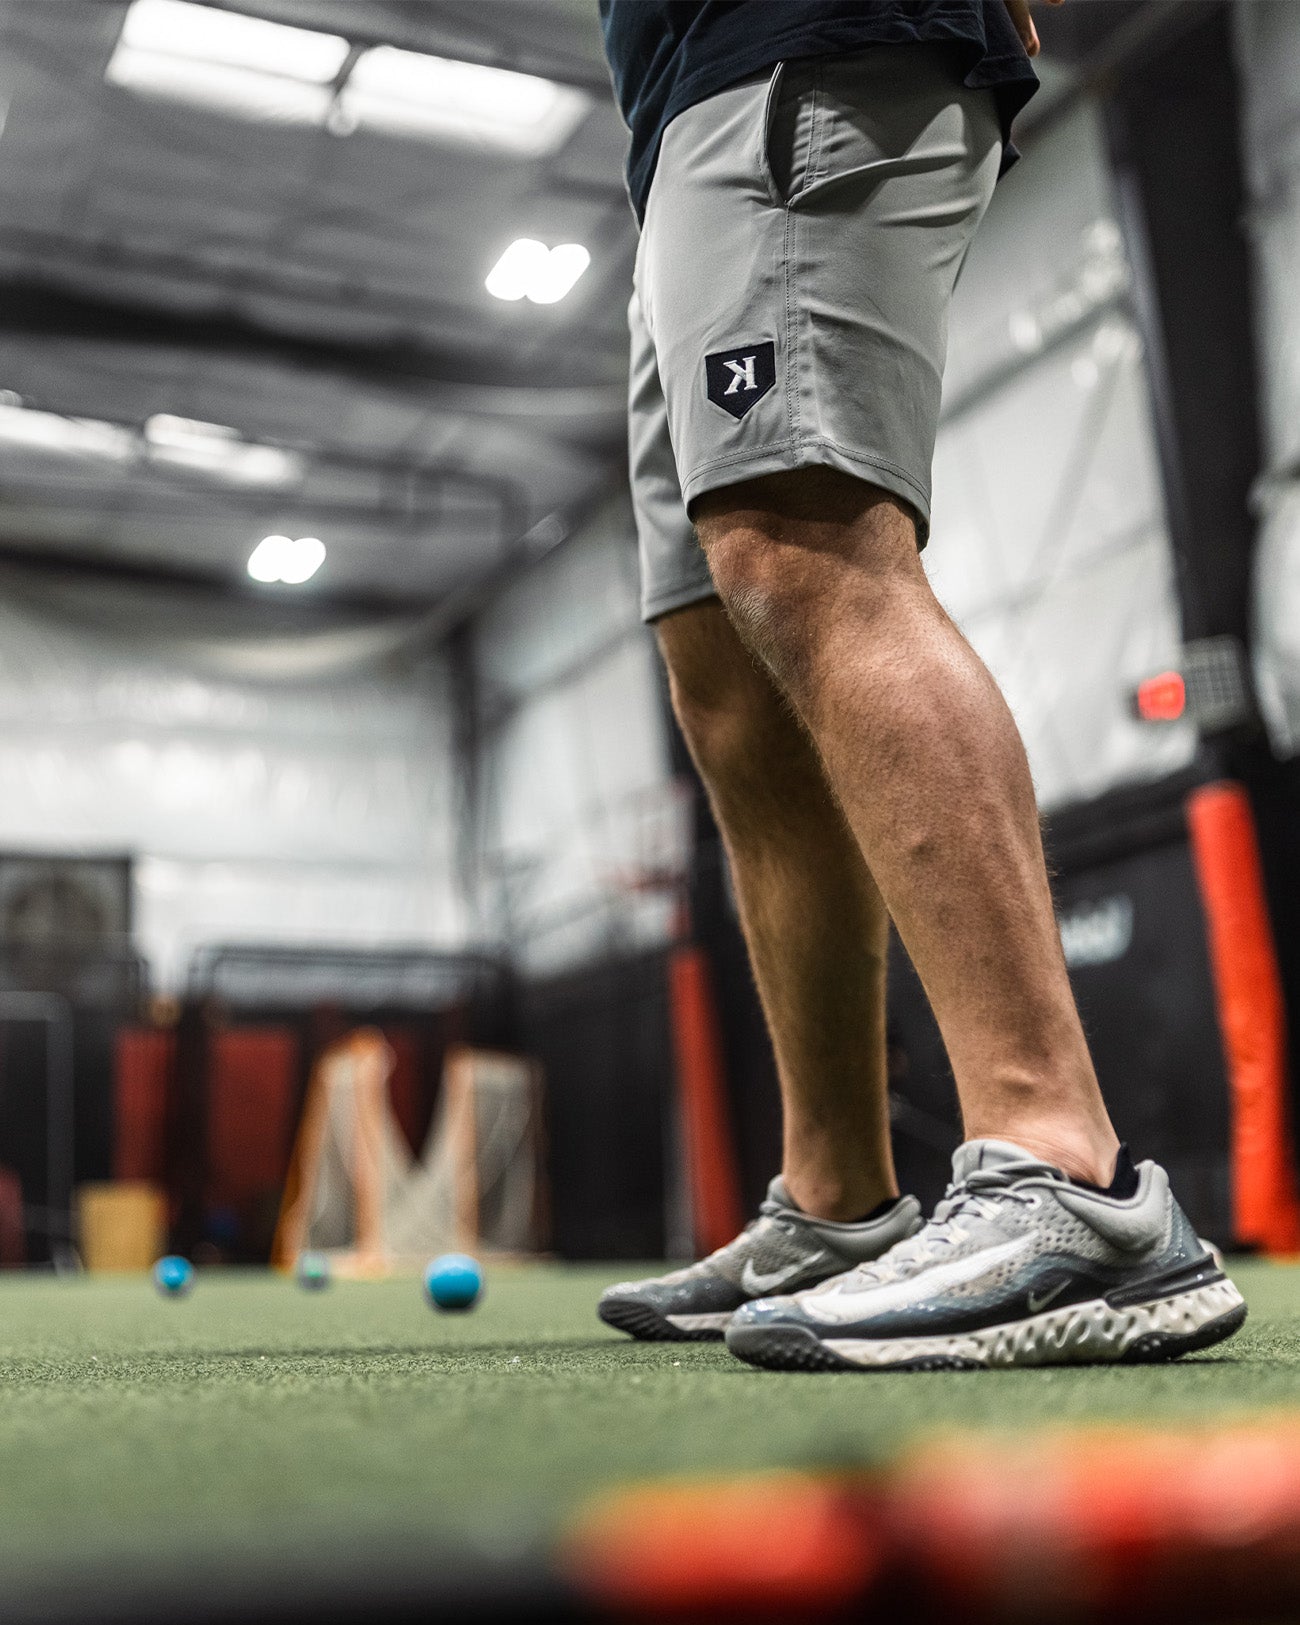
point(454, 1281)
point(313, 1271)
point(173, 1276)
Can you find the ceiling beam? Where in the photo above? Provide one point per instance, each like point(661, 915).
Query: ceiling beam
point(409, 28)
point(57, 560)
point(34, 308)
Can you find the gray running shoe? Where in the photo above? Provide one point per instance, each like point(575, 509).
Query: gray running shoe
point(782, 1248)
point(1018, 1266)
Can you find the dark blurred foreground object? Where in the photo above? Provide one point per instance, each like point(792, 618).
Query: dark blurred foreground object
point(1102, 1526)
point(1108, 1525)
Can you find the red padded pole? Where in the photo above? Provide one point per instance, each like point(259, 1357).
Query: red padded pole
point(701, 1088)
point(1252, 1016)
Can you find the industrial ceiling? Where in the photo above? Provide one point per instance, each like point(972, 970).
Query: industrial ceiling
point(223, 318)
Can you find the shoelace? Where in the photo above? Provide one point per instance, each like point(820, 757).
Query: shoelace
point(983, 1192)
point(985, 1189)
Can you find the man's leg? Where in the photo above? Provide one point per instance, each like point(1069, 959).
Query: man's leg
point(820, 574)
point(812, 916)
point(815, 926)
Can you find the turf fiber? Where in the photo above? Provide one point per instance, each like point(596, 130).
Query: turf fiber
point(255, 1419)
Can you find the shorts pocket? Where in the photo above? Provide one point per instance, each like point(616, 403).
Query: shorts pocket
point(791, 127)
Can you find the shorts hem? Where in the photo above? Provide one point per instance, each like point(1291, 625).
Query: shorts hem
point(655, 606)
point(807, 452)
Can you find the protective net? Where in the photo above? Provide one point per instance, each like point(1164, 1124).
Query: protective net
point(356, 1191)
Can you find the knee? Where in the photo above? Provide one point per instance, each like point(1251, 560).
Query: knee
point(770, 591)
point(728, 708)
point(788, 551)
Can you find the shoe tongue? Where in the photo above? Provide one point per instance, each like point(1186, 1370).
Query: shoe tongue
point(990, 1154)
point(776, 1192)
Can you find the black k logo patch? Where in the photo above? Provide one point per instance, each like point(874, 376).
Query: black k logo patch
point(737, 379)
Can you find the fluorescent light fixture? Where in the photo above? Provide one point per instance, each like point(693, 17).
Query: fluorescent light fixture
point(287, 559)
point(220, 59)
point(209, 34)
point(212, 448)
point(273, 72)
point(207, 448)
point(69, 437)
point(530, 270)
point(262, 98)
point(411, 93)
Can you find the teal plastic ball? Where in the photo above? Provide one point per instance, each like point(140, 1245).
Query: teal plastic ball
point(313, 1271)
point(454, 1281)
point(173, 1276)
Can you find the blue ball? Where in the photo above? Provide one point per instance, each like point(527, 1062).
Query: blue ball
point(453, 1281)
point(173, 1276)
point(313, 1271)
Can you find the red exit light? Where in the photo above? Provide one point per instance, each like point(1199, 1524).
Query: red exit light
point(1162, 698)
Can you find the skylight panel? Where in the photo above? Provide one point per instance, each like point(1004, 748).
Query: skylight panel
point(214, 449)
point(242, 66)
point(248, 67)
point(208, 34)
point(410, 93)
point(69, 437)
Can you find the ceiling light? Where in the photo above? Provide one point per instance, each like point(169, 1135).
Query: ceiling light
point(256, 69)
point(287, 559)
point(72, 437)
point(165, 429)
point(262, 98)
point(412, 93)
point(224, 60)
point(530, 270)
point(212, 448)
point(209, 34)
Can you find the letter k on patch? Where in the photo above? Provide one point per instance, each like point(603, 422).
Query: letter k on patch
point(738, 378)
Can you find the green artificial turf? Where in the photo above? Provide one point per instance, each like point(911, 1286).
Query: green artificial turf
point(255, 1418)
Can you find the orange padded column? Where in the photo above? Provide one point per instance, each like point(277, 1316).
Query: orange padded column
point(701, 1088)
point(1252, 1016)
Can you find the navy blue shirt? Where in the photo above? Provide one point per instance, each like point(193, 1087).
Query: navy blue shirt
point(667, 55)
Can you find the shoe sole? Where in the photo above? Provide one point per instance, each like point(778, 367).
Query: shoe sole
point(1085, 1333)
point(641, 1321)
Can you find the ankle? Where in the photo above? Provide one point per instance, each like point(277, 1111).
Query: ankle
point(839, 1199)
point(1079, 1150)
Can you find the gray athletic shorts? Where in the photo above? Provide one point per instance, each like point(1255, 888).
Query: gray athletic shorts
point(803, 234)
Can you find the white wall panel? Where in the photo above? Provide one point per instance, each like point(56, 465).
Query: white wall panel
point(1277, 619)
point(304, 809)
point(556, 613)
point(1047, 252)
point(1049, 543)
point(1268, 37)
point(578, 799)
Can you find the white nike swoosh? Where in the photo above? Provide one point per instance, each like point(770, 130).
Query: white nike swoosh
point(838, 1308)
point(1041, 1300)
point(761, 1285)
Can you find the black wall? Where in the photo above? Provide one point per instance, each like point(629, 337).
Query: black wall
point(603, 1037)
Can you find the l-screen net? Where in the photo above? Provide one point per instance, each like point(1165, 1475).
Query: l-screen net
point(356, 1191)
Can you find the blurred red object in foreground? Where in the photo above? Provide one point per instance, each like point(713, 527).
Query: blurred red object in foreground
point(1108, 1525)
point(781, 1545)
point(1114, 1525)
